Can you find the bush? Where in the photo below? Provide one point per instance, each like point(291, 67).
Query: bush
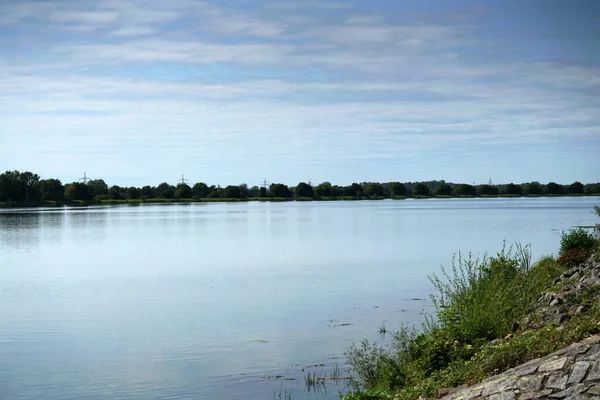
point(373, 366)
point(577, 239)
point(481, 299)
point(573, 257)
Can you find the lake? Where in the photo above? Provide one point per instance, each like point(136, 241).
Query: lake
point(231, 300)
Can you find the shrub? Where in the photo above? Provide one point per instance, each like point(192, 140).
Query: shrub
point(577, 239)
point(373, 366)
point(483, 298)
point(573, 257)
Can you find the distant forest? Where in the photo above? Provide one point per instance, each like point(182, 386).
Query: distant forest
point(26, 187)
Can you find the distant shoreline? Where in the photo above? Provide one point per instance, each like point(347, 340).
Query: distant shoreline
point(85, 203)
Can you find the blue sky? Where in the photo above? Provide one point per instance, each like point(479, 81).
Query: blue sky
point(141, 91)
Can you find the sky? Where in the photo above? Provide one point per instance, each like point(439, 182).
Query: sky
point(140, 92)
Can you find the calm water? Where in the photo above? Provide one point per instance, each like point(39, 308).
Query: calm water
point(230, 301)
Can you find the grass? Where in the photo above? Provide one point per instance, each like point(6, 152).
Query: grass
point(317, 381)
point(282, 394)
point(477, 300)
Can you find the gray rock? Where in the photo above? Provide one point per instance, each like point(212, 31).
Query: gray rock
point(505, 383)
point(510, 395)
point(592, 354)
point(526, 370)
point(530, 383)
point(535, 395)
point(557, 381)
point(473, 394)
point(579, 370)
point(558, 318)
point(580, 309)
point(579, 396)
point(594, 374)
point(573, 390)
point(594, 390)
point(553, 364)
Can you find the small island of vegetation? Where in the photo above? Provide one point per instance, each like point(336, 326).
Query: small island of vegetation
point(28, 189)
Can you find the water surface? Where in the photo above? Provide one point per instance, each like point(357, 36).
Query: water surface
point(230, 300)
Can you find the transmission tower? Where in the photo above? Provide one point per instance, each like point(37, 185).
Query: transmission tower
point(85, 179)
point(182, 180)
point(265, 183)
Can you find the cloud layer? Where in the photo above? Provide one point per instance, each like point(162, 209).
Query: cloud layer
point(139, 92)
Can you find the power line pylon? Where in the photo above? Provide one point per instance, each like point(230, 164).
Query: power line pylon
point(85, 179)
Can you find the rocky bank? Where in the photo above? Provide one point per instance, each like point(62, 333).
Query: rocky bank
point(570, 373)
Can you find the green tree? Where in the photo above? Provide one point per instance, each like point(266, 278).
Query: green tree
point(303, 189)
point(231, 192)
point(18, 186)
point(374, 190)
point(201, 190)
point(215, 192)
point(9, 186)
point(244, 191)
point(183, 191)
point(31, 184)
point(52, 190)
point(262, 192)
point(420, 189)
point(398, 189)
point(279, 190)
point(114, 193)
point(165, 191)
point(592, 188)
point(513, 189)
point(533, 188)
point(354, 190)
point(323, 190)
point(554, 188)
point(465, 190)
point(148, 192)
point(254, 191)
point(77, 191)
point(487, 190)
point(337, 191)
point(98, 187)
point(576, 188)
point(134, 193)
point(443, 190)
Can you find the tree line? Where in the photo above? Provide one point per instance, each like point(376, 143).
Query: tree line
point(27, 187)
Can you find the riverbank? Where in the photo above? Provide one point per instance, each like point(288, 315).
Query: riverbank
point(84, 203)
point(492, 314)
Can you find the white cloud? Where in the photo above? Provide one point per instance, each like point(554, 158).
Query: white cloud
point(133, 31)
point(303, 89)
point(84, 17)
